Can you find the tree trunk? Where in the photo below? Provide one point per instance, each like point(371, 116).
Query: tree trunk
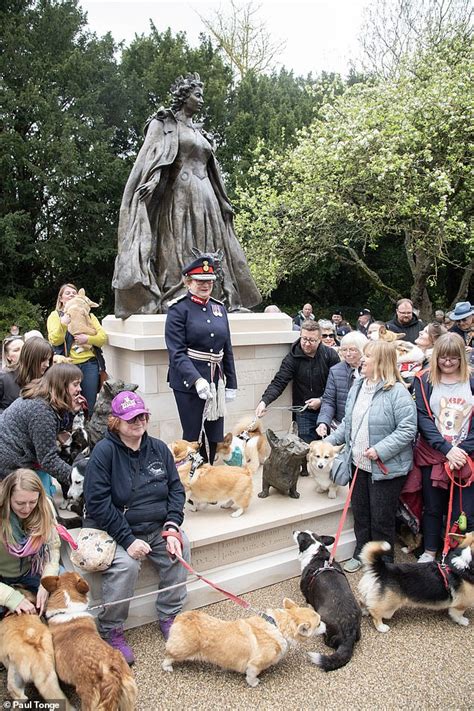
point(464, 285)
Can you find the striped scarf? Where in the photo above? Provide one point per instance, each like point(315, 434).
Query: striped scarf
point(27, 547)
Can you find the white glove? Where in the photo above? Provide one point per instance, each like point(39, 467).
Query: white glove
point(230, 394)
point(203, 389)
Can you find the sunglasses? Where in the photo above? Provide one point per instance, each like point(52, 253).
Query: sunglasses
point(327, 335)
point(138, 418)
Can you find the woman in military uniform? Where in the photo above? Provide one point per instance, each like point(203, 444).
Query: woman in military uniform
point(201, 363)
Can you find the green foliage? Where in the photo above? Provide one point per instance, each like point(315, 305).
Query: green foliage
point(26, 315)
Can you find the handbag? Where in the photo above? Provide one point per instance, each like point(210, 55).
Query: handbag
point(95, 550)
point(341, 471)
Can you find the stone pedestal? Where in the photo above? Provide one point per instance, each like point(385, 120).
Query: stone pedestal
point(136, 352)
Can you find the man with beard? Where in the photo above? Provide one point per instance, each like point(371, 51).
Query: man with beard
point(405, 321)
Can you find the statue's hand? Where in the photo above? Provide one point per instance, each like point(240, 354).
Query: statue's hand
point(146, 190)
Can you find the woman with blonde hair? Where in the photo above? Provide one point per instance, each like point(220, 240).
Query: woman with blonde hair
point(30, 425)
point(29, 543)
point(11, 349)
point(444, 397)
point(64, 343)
point(35, 358)
point(378, 430)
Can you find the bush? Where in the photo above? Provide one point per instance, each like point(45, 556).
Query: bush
point(22, 312)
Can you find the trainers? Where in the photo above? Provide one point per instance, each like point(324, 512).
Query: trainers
point(165, 626)
point(426, 558)
point(117, 640)
point(352, 565)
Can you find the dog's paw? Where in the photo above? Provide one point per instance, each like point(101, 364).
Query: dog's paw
point(332, 494)
point(382, 627)
point(252, 680)
point(237, 513)
point(315, 658)
point(459, 618)
point(321, 629)
point(63, 505)
point(226, 504)
point(167, 665)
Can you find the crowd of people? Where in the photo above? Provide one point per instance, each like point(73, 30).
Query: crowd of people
point(349, 388)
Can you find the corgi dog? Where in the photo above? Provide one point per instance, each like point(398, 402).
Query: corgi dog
point(389, 336)
point(330, 594)
point(78, 308)
point(247, 645)
point(231, 451)
point(320, 458)
point(100, 674)
point(386, 587)
point(26, 651)
point(256, 448)
point(410, 359)
point(182, 451)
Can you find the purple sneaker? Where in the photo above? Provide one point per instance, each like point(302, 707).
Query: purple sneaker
point(117, 640)
point(165, 626)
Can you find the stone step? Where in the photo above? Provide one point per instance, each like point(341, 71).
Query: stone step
point(245, 553)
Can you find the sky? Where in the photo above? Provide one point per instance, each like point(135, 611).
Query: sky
point(318, 34)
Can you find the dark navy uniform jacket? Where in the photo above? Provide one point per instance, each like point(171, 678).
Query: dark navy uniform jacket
point(202, 327)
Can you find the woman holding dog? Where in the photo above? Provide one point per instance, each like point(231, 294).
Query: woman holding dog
point(35, 358)
point(201, 371)
point(63, 343)
point(29, 427)
point(444, 399)
point(29, 543)
point(132, 490)
point(378, 429)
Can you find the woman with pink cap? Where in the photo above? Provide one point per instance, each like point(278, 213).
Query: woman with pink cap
point(132, 490)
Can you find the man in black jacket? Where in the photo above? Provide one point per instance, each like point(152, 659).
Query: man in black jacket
point(307, 366)
point(405, 321)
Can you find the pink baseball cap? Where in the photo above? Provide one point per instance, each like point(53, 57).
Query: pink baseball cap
point(127, 405)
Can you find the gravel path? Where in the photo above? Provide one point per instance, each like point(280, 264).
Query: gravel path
point(424, 662)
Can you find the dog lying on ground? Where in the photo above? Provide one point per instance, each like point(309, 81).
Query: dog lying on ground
point(330, 594)
point(386, 587)
point(97, 425)
point(26, 651)
point(282, 468)
point(100, 674)
point(321, 457)
point(247, 646)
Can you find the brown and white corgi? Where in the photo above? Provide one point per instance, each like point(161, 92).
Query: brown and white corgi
point(320, 458)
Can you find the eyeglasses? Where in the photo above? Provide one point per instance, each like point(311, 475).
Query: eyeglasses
point(308, 340)
point(449, 360)
point(327, 335)
point(138, 418)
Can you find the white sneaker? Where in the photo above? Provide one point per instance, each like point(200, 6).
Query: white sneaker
point(426, 558)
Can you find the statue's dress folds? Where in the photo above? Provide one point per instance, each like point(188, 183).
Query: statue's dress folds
point(188, 209)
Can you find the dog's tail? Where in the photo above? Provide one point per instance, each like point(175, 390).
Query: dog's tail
point(373, 551)
point(128, 698)
point(116, 689)
point(342, 655)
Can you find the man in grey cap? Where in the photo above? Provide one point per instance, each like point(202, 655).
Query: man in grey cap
point(463, 315)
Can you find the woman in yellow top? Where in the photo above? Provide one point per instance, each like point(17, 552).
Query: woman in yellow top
point(64, 344)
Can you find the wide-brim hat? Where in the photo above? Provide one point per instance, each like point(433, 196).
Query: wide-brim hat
point(127, 405)
point(463, 309)
point(201, 269)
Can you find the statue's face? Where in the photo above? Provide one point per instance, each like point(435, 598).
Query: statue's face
point(195, 100)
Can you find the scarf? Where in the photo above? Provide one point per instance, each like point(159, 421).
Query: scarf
point(26, 547)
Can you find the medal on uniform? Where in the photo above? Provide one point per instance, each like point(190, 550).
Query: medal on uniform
point(216, 310)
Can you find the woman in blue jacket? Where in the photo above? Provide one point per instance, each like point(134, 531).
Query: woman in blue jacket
point(379, 428)
point(132, 490)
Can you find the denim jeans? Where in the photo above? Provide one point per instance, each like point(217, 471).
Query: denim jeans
point(90, 382)
point(118, 582)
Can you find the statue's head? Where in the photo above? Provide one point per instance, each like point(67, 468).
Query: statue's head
point(182, 88)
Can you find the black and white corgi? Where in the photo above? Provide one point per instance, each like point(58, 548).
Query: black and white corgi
point(386, 587)
point(328, 591)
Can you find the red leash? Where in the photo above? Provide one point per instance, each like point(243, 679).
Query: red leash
point(453, 482)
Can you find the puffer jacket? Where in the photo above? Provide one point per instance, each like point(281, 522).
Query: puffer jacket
point(392, 429)
point(333, 405)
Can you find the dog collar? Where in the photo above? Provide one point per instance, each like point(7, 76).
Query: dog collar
point(268, 618)
point(322, 569)
point(183, 461)
point(244, 436)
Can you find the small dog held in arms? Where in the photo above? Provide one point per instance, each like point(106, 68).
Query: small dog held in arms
point(328, 591)
point(79, 308)
point(386, 587)
point(99, 673)
point(321, 457)
point(247, 645)
point(26, 651)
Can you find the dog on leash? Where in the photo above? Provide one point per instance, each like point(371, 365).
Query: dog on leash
point(328, 591)
point(386, 587)
point(247, 645)
point(99, 673)
point(249, 435)
point(97, 425)
point(321, 457)
point(26, 651)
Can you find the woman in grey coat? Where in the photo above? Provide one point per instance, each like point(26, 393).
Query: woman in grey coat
point(378, 429)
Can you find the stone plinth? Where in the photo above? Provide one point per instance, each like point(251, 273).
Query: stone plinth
point(136, 352)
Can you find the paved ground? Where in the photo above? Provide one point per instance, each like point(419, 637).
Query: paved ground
point(424, 662)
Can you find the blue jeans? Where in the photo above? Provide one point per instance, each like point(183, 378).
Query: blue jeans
point(90, 382)
point(27, 581)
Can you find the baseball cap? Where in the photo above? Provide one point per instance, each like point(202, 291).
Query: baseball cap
point(127, 405)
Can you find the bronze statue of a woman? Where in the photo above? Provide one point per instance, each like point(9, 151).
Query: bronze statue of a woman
point(174, 207)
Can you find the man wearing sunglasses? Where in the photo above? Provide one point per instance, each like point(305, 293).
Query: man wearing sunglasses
point(307, 367)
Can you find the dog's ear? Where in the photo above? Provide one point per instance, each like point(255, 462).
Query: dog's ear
point(196, 446)
point(304, 629)
point(339, 448)
point(293, 429)
point(327, 540)
point(228, 438)
point(288, 603)
point(272, 438)
point(50, 583)
point(81, 585)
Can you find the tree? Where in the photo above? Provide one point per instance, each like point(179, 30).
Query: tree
point(387, 162)
point(244, 40)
